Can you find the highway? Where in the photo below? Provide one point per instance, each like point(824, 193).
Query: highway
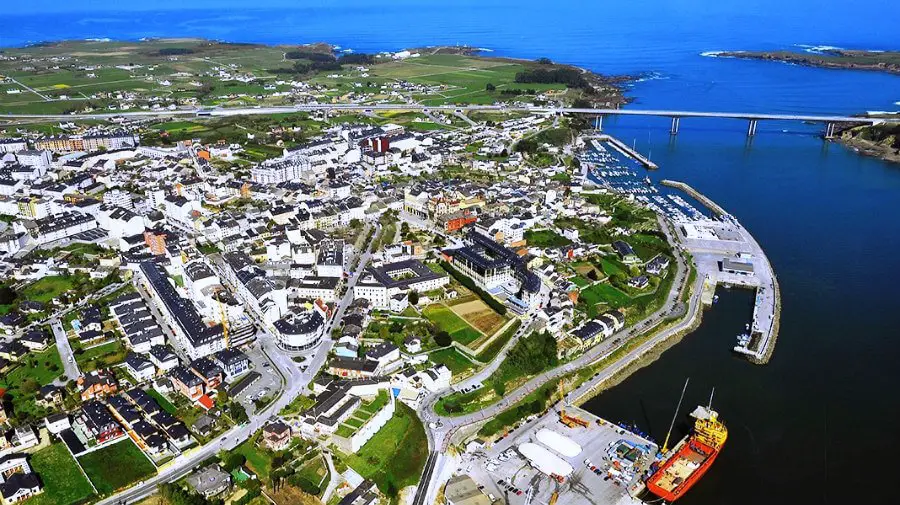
point(458, 109)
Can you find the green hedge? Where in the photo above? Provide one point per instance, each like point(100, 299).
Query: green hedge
point(470, 284)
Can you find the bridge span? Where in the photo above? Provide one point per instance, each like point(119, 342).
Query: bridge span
point(753, 118)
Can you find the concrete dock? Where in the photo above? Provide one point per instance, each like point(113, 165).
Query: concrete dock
point(727, 255)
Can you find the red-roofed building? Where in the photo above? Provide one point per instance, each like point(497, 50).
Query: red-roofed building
point(206, 402)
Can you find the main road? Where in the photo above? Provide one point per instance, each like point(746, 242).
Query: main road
point(457, 109)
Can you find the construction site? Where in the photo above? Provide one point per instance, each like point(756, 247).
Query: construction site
point(567, 456)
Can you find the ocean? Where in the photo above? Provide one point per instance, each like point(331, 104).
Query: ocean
point(812, 426)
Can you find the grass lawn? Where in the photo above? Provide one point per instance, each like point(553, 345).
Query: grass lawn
point(64, 483)
point(42, 371)
point(101, 356)
point(116, 466)
point(395, 456)
point(47, 288)
point(605, 293)
point(545, 238)
point(456, 361)
point(162, 401)
point(612, 267)
point(258, 460)
point(448, 321)
point(580, 281)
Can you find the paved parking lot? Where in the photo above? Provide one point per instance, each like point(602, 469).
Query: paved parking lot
point(269, 380)
point(506, 474)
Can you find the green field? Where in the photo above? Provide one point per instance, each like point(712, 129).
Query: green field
point(258, 460)
point(47, 288)
point(395, 456)
point(456, 361)
point(116, 466)
point(605, 293)
point(446, 320)
point(545, 238)
point(101, 356)
point(43, 367)
point(64, 484)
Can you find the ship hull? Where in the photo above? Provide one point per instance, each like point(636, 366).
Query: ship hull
point(676, 492)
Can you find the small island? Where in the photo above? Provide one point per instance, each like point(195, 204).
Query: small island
point(849, 59)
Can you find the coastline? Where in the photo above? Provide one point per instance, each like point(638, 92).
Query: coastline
point(870, 148)
point(837, 59)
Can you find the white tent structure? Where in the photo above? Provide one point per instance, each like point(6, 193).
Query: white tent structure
point(544, 460)
point(558, 442)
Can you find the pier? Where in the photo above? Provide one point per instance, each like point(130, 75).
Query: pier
point(727, 255)
point(627, 151)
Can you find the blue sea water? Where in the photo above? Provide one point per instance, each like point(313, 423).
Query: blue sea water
point(816, 423)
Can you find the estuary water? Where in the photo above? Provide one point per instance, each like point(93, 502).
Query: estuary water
point(815, 425)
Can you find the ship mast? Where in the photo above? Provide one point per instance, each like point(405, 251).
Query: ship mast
point(665, 448)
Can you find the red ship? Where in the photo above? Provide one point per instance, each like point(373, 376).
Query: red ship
point(691, 458)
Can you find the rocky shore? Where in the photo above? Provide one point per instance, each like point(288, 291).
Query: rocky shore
point(887, 61)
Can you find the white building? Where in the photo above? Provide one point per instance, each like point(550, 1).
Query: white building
point(381, 285)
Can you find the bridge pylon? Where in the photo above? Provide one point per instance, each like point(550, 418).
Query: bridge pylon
point(676, 121)
point(751, 129)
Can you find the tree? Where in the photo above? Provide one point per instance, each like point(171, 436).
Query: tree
point(30, 386)
point(237, 412)
point(232, 460)
point(592, 275)
point(413, 298)
point(442, 338)
point(490, 87)
point(499, 388)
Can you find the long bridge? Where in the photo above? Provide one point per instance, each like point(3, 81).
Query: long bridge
point(830, 121)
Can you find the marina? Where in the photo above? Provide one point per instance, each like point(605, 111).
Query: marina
point(725, 253)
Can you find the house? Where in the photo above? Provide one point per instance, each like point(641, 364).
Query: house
point(232, 362)
point(23, 437)
point(163, 357)
point(139, 367)
point(208, 371)
point(17, 481)
point(639, 282)
point(97, 384)
point(384, 354)
point(50, 396)
point(35, 340)
point(625, 252)
point(96, 425)
point(413, 344)
point(276, 436)
point(204, 425)
point(364, 494)
point(210, 481)
point(57, 423)
point(187, 382)
point(12, 351)
point(657, 265)
point(352, 367)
